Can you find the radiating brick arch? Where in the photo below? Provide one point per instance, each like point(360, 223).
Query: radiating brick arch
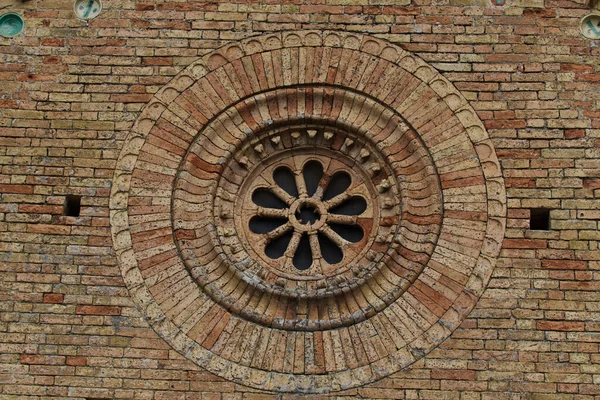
point(418, 153)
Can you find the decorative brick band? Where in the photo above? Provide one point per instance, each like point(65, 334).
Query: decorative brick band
point(428, 216)
point(213, 204)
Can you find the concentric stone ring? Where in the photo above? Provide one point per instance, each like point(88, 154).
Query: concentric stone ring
point(309, 224)
point(279, 169)
point(307, 211)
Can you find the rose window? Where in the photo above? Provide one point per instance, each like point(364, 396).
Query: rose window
point(307, 212)
point(310, 216)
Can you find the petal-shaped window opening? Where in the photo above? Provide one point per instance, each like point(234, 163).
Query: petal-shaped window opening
point(339, 183)
point(277, 247)
point(355, 205)
point(261, 225)
point(303, 257)
point(313, 172)
point(329, 250)
point(286, 180)
point(352, 233)
point(265, 198)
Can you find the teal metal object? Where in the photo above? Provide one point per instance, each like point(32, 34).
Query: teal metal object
point(11, 24)
point(87, 9)
point(590, 26)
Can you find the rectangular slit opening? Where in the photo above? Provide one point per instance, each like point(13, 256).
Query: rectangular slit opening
point(72, 206)
point(539, 219)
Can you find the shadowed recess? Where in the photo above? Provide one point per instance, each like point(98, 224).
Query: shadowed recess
point(265, 198)
point(352, 233)
point(307, 215)
point(260, 224)
point(72, 207)
point(286, 180)
point(355, 205)
point(329, 250)
point(539, 219)
point(312, 171)
point(303, 257)
point(340, 181)
point(277, 247)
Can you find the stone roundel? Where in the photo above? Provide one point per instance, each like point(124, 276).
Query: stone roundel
point(307, 211)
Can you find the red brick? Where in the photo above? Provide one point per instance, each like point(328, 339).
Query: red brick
point(21, 189)
point(98, 310)
point(157, 61)
point(560, 326)
point(591, 183)
point(53, 298)
point(574, 133)
point(564, 264)
point(525, 243)
point(518, 153)
point(76, 361)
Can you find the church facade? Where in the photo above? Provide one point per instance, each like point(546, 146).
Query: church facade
point(284, 199)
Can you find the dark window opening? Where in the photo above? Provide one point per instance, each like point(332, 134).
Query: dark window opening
point(313, 172)
point(263, 225)
point(352, 233)
point(72, 205)
point(303, 257)
point(539, 219)
point(264, 198)
point(307, 214)
point(277, 247)
point(338, 185)
point(353, 206)
point(286, 180)
point(329, 250)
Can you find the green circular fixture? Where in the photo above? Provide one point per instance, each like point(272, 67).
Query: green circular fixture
point(87, 9)
point(590, 26)
point(11, 24)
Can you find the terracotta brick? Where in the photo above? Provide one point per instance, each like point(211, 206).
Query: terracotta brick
point(76, 361)
point(560, 326)
point(98, 310)
point(53, 298)
point(525, 243)
point(564, 264)
point(21, 189)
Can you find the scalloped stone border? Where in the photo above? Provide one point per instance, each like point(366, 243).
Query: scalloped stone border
point(322, 58)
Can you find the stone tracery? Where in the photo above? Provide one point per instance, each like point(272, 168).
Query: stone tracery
point(315, 223)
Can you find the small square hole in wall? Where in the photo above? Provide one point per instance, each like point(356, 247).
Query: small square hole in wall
point(539, 219)
point(72, 205)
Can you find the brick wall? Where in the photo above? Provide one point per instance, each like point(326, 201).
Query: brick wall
point(72, 90)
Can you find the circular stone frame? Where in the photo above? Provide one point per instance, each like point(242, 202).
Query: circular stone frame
point(424, 121)
point(401, 234)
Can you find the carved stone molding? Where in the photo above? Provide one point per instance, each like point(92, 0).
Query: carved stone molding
point(307, 211)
